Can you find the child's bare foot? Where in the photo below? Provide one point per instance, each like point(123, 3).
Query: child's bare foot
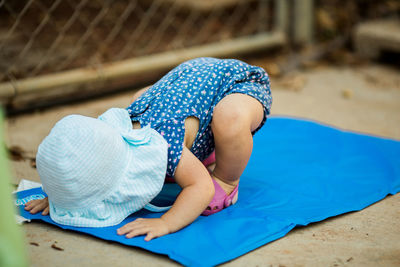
point(228, 187)
point(211, 167)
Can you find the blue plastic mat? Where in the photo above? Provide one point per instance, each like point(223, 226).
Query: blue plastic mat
point(300, 172)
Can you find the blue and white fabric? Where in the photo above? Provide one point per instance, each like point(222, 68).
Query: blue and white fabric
point(96, 172)
point(193, 89)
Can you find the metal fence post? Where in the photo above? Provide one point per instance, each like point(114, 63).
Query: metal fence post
point(303, 21)
point(282, 15)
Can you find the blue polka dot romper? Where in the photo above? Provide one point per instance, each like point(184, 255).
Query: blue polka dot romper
point(193, 89)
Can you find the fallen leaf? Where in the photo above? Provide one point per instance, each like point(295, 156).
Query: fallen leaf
point(16, 153)
point(325, 20)
point(57, 247)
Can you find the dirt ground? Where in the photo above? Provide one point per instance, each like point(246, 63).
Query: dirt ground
point(360, 98)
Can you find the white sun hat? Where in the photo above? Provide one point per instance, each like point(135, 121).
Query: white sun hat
point(96, 172)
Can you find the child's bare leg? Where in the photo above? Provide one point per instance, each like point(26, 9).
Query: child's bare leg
point(234, 118)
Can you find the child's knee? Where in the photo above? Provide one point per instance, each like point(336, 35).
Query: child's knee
point(230, 124)
point(237, 114)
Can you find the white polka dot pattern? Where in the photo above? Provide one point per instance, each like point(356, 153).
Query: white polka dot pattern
point(193, 89)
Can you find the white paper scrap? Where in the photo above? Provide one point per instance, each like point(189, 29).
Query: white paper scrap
point(25, 185)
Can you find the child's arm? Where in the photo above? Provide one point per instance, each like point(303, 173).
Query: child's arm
point(36, 205)
point(197, 192)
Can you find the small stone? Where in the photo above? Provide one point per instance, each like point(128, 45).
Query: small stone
point(347, 93)
point(33, 163)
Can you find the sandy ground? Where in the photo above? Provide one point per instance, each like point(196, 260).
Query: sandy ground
point(364, 99)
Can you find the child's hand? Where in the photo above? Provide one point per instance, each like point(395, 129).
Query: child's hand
point(36, 205)
point(152, 228)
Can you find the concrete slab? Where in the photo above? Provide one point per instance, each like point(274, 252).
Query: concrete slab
point(373, 38)
point(366, 238)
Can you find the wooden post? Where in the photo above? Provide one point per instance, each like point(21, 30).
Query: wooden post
point(136, 66)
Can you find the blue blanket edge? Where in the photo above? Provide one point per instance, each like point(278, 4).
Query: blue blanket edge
point(225, 257)
point(328, 125)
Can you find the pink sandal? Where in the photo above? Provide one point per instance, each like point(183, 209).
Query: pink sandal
point(221, 200)
point(210, 160)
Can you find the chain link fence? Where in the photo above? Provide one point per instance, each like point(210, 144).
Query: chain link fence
point(40, 39)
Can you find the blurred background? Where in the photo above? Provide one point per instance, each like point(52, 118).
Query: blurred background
point(333, 61)
point(77, 49)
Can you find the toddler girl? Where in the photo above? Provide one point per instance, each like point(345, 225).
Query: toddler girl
point(206, 110)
